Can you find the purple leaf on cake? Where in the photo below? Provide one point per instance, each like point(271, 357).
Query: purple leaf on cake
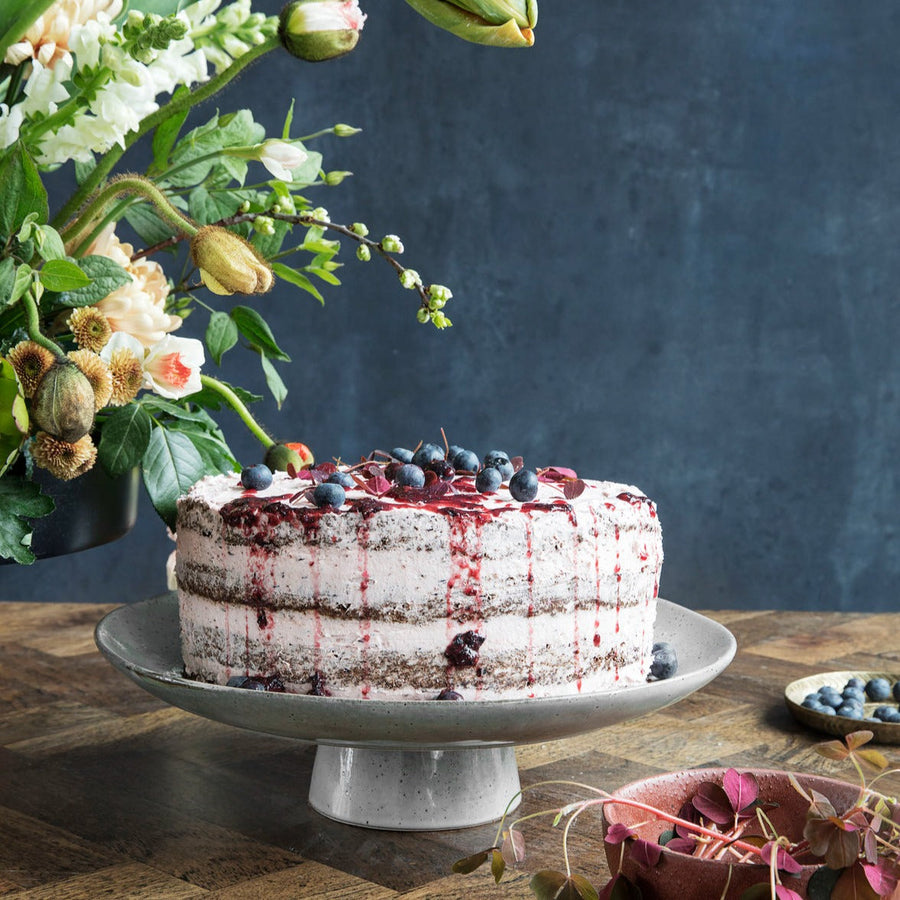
point(556, 473)
point(573, 488)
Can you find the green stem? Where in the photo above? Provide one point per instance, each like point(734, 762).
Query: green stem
point(238, 406)
point(33, 325)
point(128, 184)
point(174, 107)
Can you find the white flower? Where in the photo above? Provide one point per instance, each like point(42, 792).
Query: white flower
point(48, 39)
point(172, 367)
point(122, 341)
point(10, 123)
point(137, 308)
point(281, 158)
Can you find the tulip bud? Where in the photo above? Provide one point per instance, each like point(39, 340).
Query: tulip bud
point(317, 30)
point(63, 402)
point(228, 264)
point(497, 23)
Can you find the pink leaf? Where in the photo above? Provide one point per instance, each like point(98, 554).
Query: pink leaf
point(574, 488)
point(617, 833)
point(712, 802)
point(646, 853)
point(513, 846)
point(783, 893)
point(882, 878)
point(742, 789)
point(556, 473)
point(784, 861)
point(682, 845)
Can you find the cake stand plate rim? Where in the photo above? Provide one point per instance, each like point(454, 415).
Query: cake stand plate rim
point(141, 640)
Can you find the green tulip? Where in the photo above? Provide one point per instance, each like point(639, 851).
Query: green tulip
point(13, 416)
point(497, 23)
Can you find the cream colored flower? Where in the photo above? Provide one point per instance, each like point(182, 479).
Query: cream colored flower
point(172, 367)
point(137, 308)
point(47, 40)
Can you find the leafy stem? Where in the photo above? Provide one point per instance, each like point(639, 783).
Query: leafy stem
point(119, 187)
point(176, 106)
point(235, 402)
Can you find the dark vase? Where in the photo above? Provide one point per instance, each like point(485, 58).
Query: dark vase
point(92, 509)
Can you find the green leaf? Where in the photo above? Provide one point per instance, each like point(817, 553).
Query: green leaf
point(21, 190)
point(324, 274)
point(159, 7)
point(49, 243)
point(15, 18)
point(22, 281)
point(253, 327)
point(216, 455)
point(221, 335)
point(167, 132)
point(273, 380)
point(171, 465)
point(154, 403)
point(63, 275)
point(298, 279)
point(551, 885)
point(498, 865)
point(470, 863)
point(20, 500)
point(83, 169)
point(124, 439)
point(105, 276)
point(7, 280)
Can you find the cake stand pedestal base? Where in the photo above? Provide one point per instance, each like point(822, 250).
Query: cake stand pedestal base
point(414, 790)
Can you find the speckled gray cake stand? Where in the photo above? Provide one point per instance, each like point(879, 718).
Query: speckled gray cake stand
point(407, 765)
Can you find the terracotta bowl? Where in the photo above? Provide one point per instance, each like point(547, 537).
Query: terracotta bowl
point(682, 877)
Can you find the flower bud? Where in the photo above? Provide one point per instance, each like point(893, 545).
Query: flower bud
point(228, 264)
point(342, 130)
point(317, 30)
point(390, 243)
point(281, 157)
point(363, 253)
point(497, 23)
point(335, 177)
point(284, 457)
point(63, 402)
point(409, 278)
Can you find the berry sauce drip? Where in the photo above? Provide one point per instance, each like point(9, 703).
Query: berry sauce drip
point(618, 570)
point(465, 579)
point(529, 554)
point(597, 638)
point(365, 623)
point(576, 636)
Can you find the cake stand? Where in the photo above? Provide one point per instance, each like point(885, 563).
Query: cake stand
point(414, 765)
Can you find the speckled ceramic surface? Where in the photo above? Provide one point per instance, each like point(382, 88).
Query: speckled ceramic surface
point(883, 732)
point(141, 639)
point(400, 764)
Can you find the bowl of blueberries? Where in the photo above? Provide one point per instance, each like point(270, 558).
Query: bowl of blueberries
point(841, 702)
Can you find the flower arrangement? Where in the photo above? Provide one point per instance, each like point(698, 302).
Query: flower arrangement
point(94, 367)
point(856, 853)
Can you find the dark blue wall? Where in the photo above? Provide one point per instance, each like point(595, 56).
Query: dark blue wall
point(671, 232)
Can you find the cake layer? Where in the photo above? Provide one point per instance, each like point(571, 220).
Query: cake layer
point(370, 660)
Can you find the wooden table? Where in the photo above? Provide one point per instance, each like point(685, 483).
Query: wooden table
point(106, 791)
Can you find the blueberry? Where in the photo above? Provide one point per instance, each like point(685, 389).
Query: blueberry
point(499, 460)
point(665, 662)
point(524, 485)
point(463, 650)
point(401, 454)
point(854, 693)
point(884, 713)
point(896, 690)
point(342, 478)
point(329, 494)
point(427, 453)
point(245, 682)
point(827, 711)
point(447, 694)
point(465, 461)
point(856, 682)
point(878, 689)
point(256, 478)
point(452, 451)
point(488, 481)
point(812, 702)
point(849, 711)
point(893, 718)
point(830, 697)
point(409, 475)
